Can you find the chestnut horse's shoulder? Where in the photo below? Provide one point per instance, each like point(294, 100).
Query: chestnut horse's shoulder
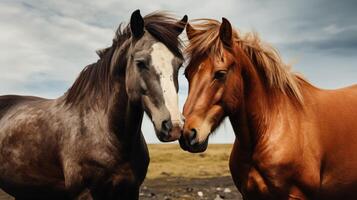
point(280, 166)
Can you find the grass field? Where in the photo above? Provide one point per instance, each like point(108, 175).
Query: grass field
point(170, 160)
point(178, 175)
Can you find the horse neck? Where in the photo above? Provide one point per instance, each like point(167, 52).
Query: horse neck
point(257, 110)
point(125, 118)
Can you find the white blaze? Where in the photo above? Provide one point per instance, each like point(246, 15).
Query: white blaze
point(161, 58)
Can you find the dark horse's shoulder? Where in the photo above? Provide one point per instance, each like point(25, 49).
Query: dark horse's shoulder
point(8, 101)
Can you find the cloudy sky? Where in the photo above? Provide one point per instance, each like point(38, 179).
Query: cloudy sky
point(44, 44)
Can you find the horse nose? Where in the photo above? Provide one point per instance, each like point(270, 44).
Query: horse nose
point(166, 127)
point(192, 137)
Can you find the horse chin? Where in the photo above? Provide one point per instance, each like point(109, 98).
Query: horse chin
point(197, 148)
point(165, 139)
point(162, 137)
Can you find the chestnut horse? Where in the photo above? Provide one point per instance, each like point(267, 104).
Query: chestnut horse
point(88, 144)
point(293, 140)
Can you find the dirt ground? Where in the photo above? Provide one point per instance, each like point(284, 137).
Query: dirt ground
point(177, 175)
point(177, 188)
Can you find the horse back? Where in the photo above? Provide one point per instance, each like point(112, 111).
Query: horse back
point(336, 111)
point(336, 122)
point(9, 101)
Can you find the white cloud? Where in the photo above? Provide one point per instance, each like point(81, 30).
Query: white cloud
point(57, 47)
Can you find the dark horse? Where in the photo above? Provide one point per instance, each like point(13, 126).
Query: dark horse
point(293, 140)
point(87, 144)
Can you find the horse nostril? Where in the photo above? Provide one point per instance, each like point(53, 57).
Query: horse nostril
point(166, 126)
point(193, 134)
point(192, 137)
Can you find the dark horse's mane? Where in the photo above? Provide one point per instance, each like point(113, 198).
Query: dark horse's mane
point(94, 83)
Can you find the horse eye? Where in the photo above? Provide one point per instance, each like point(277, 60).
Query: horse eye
point(220, 75)
point(141, 64)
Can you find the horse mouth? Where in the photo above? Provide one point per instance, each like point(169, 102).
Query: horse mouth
point(169, 136)
point(196, 148)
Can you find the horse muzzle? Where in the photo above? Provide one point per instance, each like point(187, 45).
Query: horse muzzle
point(169, 132)
point(191, 144)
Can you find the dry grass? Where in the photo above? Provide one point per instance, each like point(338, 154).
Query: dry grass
point(170, 160)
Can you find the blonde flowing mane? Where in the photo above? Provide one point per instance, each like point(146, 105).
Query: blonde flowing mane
point(264, 57)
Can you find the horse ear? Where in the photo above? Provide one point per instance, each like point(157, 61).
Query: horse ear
point(180, 25)
point(137, 24)
point(190, 31)
point(225, 32)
